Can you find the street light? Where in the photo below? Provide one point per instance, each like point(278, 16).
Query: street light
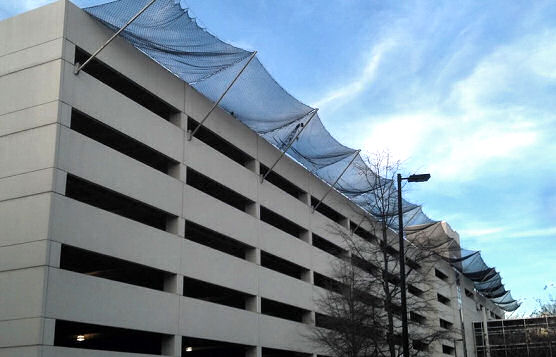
point(405, 333)
point(417, 177)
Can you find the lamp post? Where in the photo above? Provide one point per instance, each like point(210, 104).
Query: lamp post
point(405, 333)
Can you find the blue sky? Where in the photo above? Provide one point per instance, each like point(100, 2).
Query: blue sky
point(464, 90)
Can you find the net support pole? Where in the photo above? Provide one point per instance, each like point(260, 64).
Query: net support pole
point(190, 134)
point(314, 112)
point(313, 208)
point(80, 67)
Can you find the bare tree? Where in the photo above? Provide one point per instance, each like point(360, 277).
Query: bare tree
point(348, 315)
point(545, 307)
point(361, 311)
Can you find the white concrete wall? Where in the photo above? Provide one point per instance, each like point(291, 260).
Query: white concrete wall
point(220, 217)
point(87, 227)
point(115, 110)
point(31, 46)
point(218, 268)
point(78, 297)
point(94, 162)
point(197, 319)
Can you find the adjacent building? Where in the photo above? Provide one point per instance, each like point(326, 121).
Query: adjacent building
point(119, 236)
point(529, 337)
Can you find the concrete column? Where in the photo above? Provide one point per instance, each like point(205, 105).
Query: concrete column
point(64, 114)
point(307, 237)
point(59, 181)
point(307, 276)
point(48, 329)
point(179, 120)
point(253, 304)
point(171, 346)
point(254, 352)
point(176, 225)
point(253, 165)
point(254, 256)
point(68, 52)
point(254, 209)
point(173, 283)
point(309, 318)
point(345, 223)
point(178, 171)
point(54, 253)
point(305, 198)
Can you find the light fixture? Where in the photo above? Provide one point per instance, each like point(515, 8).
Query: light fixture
point(188, 349)
point(80, 338)
point(418, 178)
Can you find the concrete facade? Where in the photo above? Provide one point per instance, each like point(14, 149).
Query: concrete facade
point(47, 165)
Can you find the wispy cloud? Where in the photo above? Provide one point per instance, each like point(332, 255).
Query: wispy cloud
point(348, 91)
point(490, 116)
point(507, 232)
point(481, 232)
point(460, 105)
point(543, 232)
point(400, 134)
point(451, 147)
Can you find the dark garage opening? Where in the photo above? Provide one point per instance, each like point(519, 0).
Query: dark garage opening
point(328, 211)
point(219, 144)
point(202, 290)
point(215, 240)
point(281, 310)
point(118, 141)
point(217, 190)
point(98, 337)
point(282, 183)
point(328, 247)
point(103, 198)
point(282, 266)
point(272, 352)
point(124, 85)
point(104, 266)
point(284, 224)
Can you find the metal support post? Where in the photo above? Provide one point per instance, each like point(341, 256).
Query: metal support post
point(190, 134)
point(405, 332)
point(459, 284)
point(313, 113)
point(313, 208)
point(79, 68)
point(485, 332)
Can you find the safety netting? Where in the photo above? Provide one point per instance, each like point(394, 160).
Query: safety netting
point(171, 37)
point(444, 242)
point(486, 279)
